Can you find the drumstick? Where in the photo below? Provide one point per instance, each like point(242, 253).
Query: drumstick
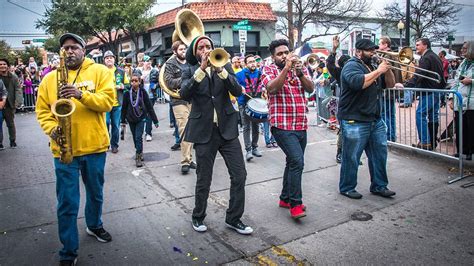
point(248, 95)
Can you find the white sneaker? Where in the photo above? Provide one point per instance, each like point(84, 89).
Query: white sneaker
point(148, 137)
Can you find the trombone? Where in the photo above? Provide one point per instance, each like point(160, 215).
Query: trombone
point(405, 57)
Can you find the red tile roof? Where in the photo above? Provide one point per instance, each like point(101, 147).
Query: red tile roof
point(217, 11)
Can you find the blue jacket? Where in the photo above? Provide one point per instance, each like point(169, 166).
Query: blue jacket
point(244, 82)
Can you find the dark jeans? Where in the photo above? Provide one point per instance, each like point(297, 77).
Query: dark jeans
point(247, 124)
point(357, 137)
point(112, 118)
point(177, 139)
point(293, 144)
point(91, 168)
point(137, 134)
point(426, 112)
point(467, 131)
point(206, 153)
point(388, 116)
point(8, 115)
point(149, 122)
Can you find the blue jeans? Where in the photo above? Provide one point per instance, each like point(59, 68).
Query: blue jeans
point(266, 132)
point(293, 144)
point(149, 122)
point(137, 134)
point(357, 137)
point(388, 115)
point(426, 112)
point(1, 126)
point(91, 168)
point(113, 118)
point(177, 139)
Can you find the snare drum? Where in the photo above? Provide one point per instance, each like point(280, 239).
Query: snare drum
point(257, 110)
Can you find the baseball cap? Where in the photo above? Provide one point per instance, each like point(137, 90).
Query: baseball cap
point(73, 36)
point(365, 44)
point(108, 53)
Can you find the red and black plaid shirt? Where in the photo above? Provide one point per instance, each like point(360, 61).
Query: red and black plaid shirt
point(287, 108)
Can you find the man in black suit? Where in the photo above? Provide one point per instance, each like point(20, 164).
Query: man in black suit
point(212, 127)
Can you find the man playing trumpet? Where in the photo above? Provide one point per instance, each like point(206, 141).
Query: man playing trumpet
point(212, 127)
point(286, 81)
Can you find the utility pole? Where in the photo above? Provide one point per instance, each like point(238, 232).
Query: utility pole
point(290, 24)
point(407, 23)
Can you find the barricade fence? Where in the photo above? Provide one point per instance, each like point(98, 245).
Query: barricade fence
point(426, 120)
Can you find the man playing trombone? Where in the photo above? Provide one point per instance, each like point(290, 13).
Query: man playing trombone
point(361, 122)
point(212, 127)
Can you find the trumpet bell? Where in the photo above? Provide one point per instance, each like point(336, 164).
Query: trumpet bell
point(188, 26)
point(218, 57)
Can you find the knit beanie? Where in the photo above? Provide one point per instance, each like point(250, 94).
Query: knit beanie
point(191, 53)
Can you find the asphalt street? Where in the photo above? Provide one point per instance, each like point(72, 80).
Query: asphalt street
point(148, 210)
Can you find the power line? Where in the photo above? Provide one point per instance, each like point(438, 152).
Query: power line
point(22, 7)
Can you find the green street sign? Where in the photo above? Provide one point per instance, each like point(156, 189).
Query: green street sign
point(243, 22)
point(450, 38)
point(241, 27)
point(39, 40)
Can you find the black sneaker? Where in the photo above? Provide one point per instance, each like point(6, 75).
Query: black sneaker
point(12, 144)
point(185, 169)
point(386, 193)
point(176, 147)
point(1, 147)
point(193, 165)
point(68, 262)
point(199, 226)
point(240, 227)
point(352, 194)
point(101, 235)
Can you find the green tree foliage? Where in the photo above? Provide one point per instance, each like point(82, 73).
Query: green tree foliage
point(52, 44)
point(108, 20)
point(7, 52)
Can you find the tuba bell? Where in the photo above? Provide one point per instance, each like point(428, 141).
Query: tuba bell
point(187, 27)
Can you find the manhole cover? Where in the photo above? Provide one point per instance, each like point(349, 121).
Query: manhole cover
point(361, 216)
point(155, 156)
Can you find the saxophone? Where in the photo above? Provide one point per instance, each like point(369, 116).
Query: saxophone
point(63, 109)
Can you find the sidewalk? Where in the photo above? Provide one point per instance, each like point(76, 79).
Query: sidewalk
point(148, 211)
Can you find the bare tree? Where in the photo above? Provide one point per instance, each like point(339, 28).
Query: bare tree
point(330, 17)
point(428, 18)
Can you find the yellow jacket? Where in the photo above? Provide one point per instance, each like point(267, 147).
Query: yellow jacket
point(89, 131)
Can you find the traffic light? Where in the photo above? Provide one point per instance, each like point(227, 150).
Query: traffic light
point(26, 42)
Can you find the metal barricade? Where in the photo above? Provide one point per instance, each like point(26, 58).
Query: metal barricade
point(29, 99)
point(423, 120)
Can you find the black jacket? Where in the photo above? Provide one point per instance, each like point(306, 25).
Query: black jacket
point(429, 61)
point(145, 108)
point(209, 94)
point(172, 77)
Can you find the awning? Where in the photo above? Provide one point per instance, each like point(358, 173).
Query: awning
point(153, 51)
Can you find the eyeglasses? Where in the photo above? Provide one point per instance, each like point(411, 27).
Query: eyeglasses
point(134, 80)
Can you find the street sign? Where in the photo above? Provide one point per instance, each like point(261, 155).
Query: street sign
point(242, 35)
point(26, 42)
point(243, 22)
point(243, 27)
point(450, 38)
point(242, 48)
point(39, 40)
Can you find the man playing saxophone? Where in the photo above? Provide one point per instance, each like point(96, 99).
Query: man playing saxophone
point(90, 88)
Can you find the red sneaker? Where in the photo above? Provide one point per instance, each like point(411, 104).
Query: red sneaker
point(297, 212)
point(286, 205)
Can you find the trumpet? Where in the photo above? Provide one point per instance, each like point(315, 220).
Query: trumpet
point(218, 57)
point(404, 58)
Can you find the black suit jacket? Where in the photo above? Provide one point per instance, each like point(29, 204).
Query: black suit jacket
point(429, 61)
point(205, 96)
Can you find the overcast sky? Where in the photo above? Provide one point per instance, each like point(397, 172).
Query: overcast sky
point(465, 26)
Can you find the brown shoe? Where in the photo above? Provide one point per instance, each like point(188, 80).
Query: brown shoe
point(420, 145)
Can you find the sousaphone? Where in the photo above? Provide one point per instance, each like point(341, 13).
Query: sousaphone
point(187, 27)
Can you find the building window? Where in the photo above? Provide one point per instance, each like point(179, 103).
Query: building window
point(168, 42)
point(253, 39)
point(146, 41)
point(215, 36)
